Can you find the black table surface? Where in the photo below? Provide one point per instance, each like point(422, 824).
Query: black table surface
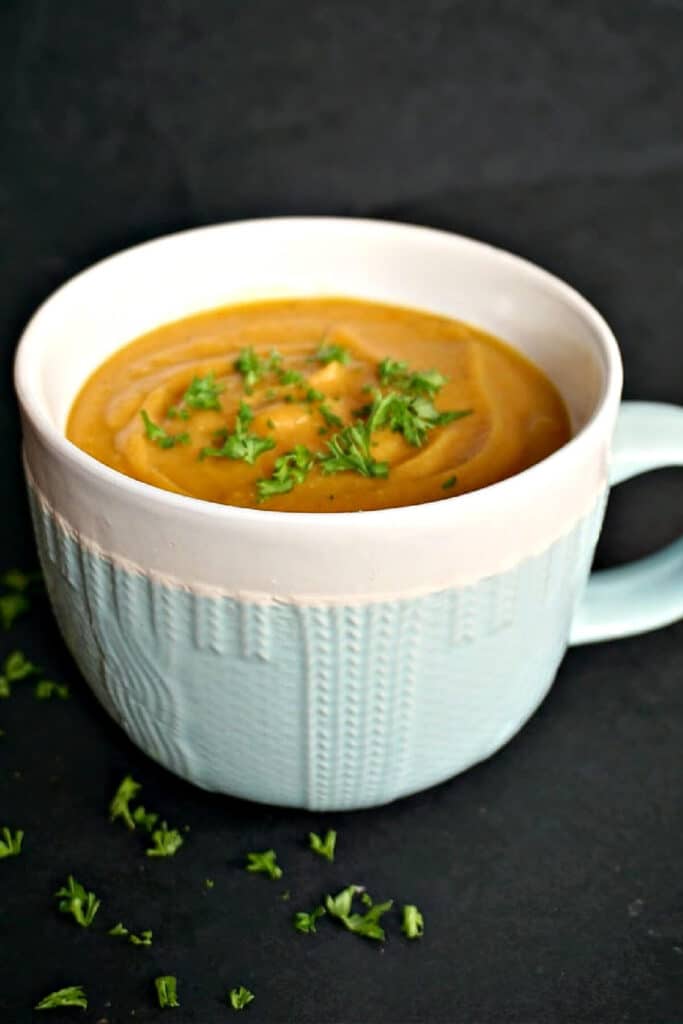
point(549, 876)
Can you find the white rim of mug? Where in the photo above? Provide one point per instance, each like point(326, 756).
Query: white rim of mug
point(597, 424)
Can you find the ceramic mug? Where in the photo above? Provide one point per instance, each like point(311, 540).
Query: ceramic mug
point(319, 660)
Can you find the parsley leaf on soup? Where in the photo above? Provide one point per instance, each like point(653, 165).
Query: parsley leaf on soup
point(10, 842)
point(251, 367)
point(264, 863)
point(240, 444)
point(167, 993)
point(290, 469)
point(305, 923)
point(350, 448)
point(159, 436)
point(203, 393)
point(395, 374)
point(74, 900)
point(330, 354)
point(120, 804)
point(323, 847)
point(74, 995)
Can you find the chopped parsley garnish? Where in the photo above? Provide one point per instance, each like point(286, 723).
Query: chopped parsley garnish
point(167, 994)
point(46, 689)
point(305, 923)
point(330, 354)
point(451, 482)
point(290, 469)
point(240, 444)
point(240, 997)
point(367, 924)
point(331, 418)
point(421, 382)
point(323, 847)
point(160, 436)
point(143, 939)
point(264, 863)
point(203, 393)
point(290, 377)
point(17, 579)
point(145, 819)
point(74, 900)
point(167, 841)
point(350, 448)
point(415, 416)
point(413, 926)
point(16, 667)
point(120, 805)
point(10, 842)
point(11, 607)
point(74, 995)
point(252, 367)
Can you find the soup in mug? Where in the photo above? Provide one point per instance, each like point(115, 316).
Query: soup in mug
point(318, 405)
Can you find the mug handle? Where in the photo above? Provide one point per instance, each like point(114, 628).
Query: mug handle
point(648, 593)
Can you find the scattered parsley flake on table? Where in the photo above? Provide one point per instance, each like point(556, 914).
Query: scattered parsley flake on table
point(16, 667)
point(143, 939)
point(167, 841)
point(240, 997)
point(167, 994)
point(10, 842)
point(46, 689)
point(146, 819)
point(120, 804)
point(74, 900)
point(11, 607)
point(323, 847)
point(17, 579)
point(413, 925)
point(264, 863)
point(74, 995)
point(305, 922)
point(367, 924)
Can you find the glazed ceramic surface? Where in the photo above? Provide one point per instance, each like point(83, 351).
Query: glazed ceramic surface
point(334, 660)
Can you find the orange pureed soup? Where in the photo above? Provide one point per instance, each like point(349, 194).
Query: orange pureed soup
point(318, 405)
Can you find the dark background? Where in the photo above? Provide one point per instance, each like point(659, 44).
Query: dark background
point(550, 876)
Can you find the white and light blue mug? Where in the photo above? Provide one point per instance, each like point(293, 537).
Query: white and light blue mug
point(335, 661)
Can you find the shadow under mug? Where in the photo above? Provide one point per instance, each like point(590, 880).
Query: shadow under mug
point(335, 661)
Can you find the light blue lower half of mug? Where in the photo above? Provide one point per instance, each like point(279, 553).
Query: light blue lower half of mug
point(317, 706)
